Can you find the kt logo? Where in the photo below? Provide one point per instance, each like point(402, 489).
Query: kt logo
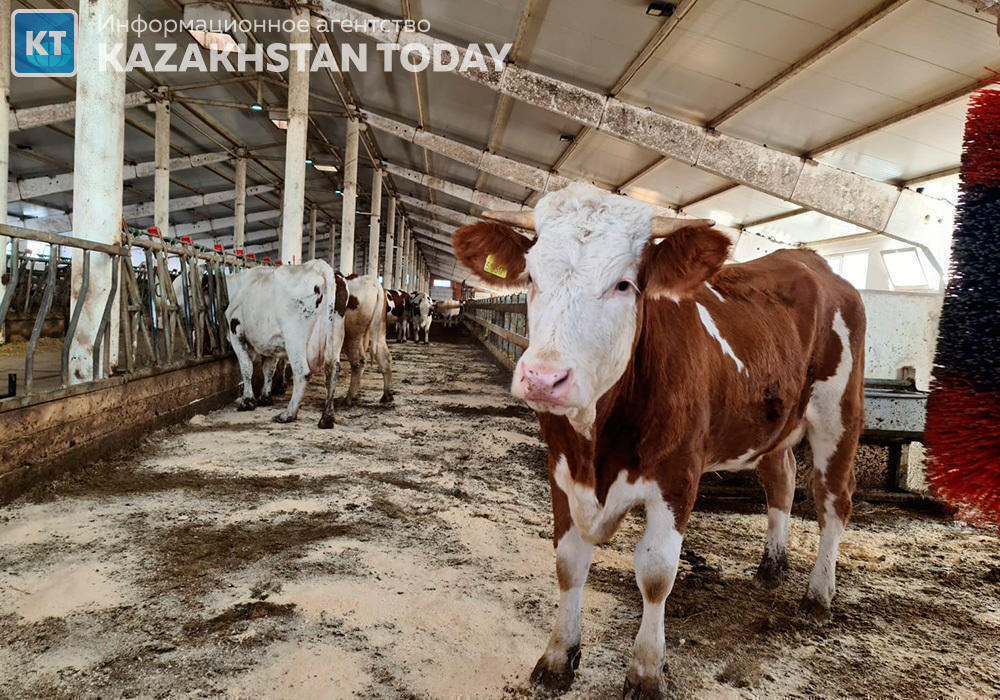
point(43, 43)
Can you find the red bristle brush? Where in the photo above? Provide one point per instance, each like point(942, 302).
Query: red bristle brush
point(963, 411)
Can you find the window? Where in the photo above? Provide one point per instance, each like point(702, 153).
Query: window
point(442, 283)
point(909, 268)
point(853, 267)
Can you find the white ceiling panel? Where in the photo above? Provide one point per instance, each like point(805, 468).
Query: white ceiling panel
point(739, 205)
point(808, 228)
point(532, 135)
point(674, 183)
point(607, 160)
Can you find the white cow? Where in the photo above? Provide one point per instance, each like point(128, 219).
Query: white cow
point(364, 325)
point(422, 318)
point(293, 312)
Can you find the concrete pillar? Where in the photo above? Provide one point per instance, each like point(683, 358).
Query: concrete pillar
point(312, 232)
point(295, 138)
point(4, 135)
point(390, 239)
point(240, 203)
point(375, 229)
point(350, 192)
point(397, 264)
point(99, 142)
point(161, 176)
point(333, 244)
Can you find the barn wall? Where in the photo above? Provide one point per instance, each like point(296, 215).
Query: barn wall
point(902, 331)
point(42, 440)
point(878, 275)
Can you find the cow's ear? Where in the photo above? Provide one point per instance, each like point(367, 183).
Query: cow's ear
point(682, 261)
point(494, 252)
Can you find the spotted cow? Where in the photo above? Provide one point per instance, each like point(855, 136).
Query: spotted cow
point(364, 328)
point(651, 363)
point(292, 312)
point(398, 316)
point(421, 307)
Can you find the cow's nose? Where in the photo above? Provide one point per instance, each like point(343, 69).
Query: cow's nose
point(545, 383)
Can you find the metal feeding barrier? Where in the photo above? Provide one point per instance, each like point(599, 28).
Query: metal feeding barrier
point(894, 409)
point(170, 298)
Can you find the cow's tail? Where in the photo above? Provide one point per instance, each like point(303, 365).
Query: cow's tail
point(376, 328)
point(316, 346)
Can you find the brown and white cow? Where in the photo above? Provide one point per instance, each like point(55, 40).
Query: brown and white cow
point(398, 317)
point(650, 364)
point(364, 334)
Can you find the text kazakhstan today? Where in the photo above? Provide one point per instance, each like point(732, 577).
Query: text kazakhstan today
point(277, 57)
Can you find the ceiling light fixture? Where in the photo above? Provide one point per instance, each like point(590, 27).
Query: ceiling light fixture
point(660, 9)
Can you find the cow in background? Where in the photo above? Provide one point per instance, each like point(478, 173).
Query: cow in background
point(293, 312)
point(398, 317)
point(651, 364)
point(364, 328)
point(450, 312)
point(421, 308)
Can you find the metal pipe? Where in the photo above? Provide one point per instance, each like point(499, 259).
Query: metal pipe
point(312, 232)
point(43, 311)
point(75, 318)
point(161, 180)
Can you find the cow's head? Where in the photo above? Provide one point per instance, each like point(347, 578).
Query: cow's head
point(587, 272)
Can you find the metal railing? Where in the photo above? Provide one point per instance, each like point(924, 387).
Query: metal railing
point(501, 325)
point(171, 297)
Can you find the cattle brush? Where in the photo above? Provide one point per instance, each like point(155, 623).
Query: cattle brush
point(963, 411)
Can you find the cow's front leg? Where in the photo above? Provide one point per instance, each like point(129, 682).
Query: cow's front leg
point(555, 670)
point(656, 560)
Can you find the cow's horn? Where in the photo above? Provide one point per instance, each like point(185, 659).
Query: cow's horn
point(522, 219)
point(663, 226)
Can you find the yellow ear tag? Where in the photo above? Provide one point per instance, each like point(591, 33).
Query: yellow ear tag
point(495, 268)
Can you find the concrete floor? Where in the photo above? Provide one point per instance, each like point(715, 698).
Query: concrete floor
point(407, 553)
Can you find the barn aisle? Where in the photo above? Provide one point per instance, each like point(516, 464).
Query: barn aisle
point(408, 552)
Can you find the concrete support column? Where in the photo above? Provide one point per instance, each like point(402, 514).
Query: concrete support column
point(295, 138)
point(350, 192)
point(99, 142)
point(390, 239)
point(240, 203)
point(293, 212)
point(333, 244)
point(161, 176)
point(375, 229)
point(312, 232)
point(4, 136)
point(397, 266)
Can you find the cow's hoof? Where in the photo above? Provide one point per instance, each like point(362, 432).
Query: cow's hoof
point(267, 400)
point(325, 422)
point(815, 609)
point(283, 418)
point(246, 405)
point(657, 688)
point(386, 398)
point(557, 677)
point(771, 571)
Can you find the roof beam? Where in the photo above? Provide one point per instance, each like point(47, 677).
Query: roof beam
point(477, 197)
point(771, 219)
point(64, 223)
point(456, 217)
point(216, 226)
point(32, 117)
point(821, 51)
point(877, 206)
point(41, 186)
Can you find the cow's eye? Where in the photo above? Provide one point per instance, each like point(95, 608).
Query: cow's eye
point(623, 286)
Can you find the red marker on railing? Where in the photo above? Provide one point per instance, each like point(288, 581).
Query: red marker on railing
point(153, 231)
point(278, 263)
point(186, 239)
point(267, 261)
point(219, 248)
point(251, 256)
point(239, 252)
